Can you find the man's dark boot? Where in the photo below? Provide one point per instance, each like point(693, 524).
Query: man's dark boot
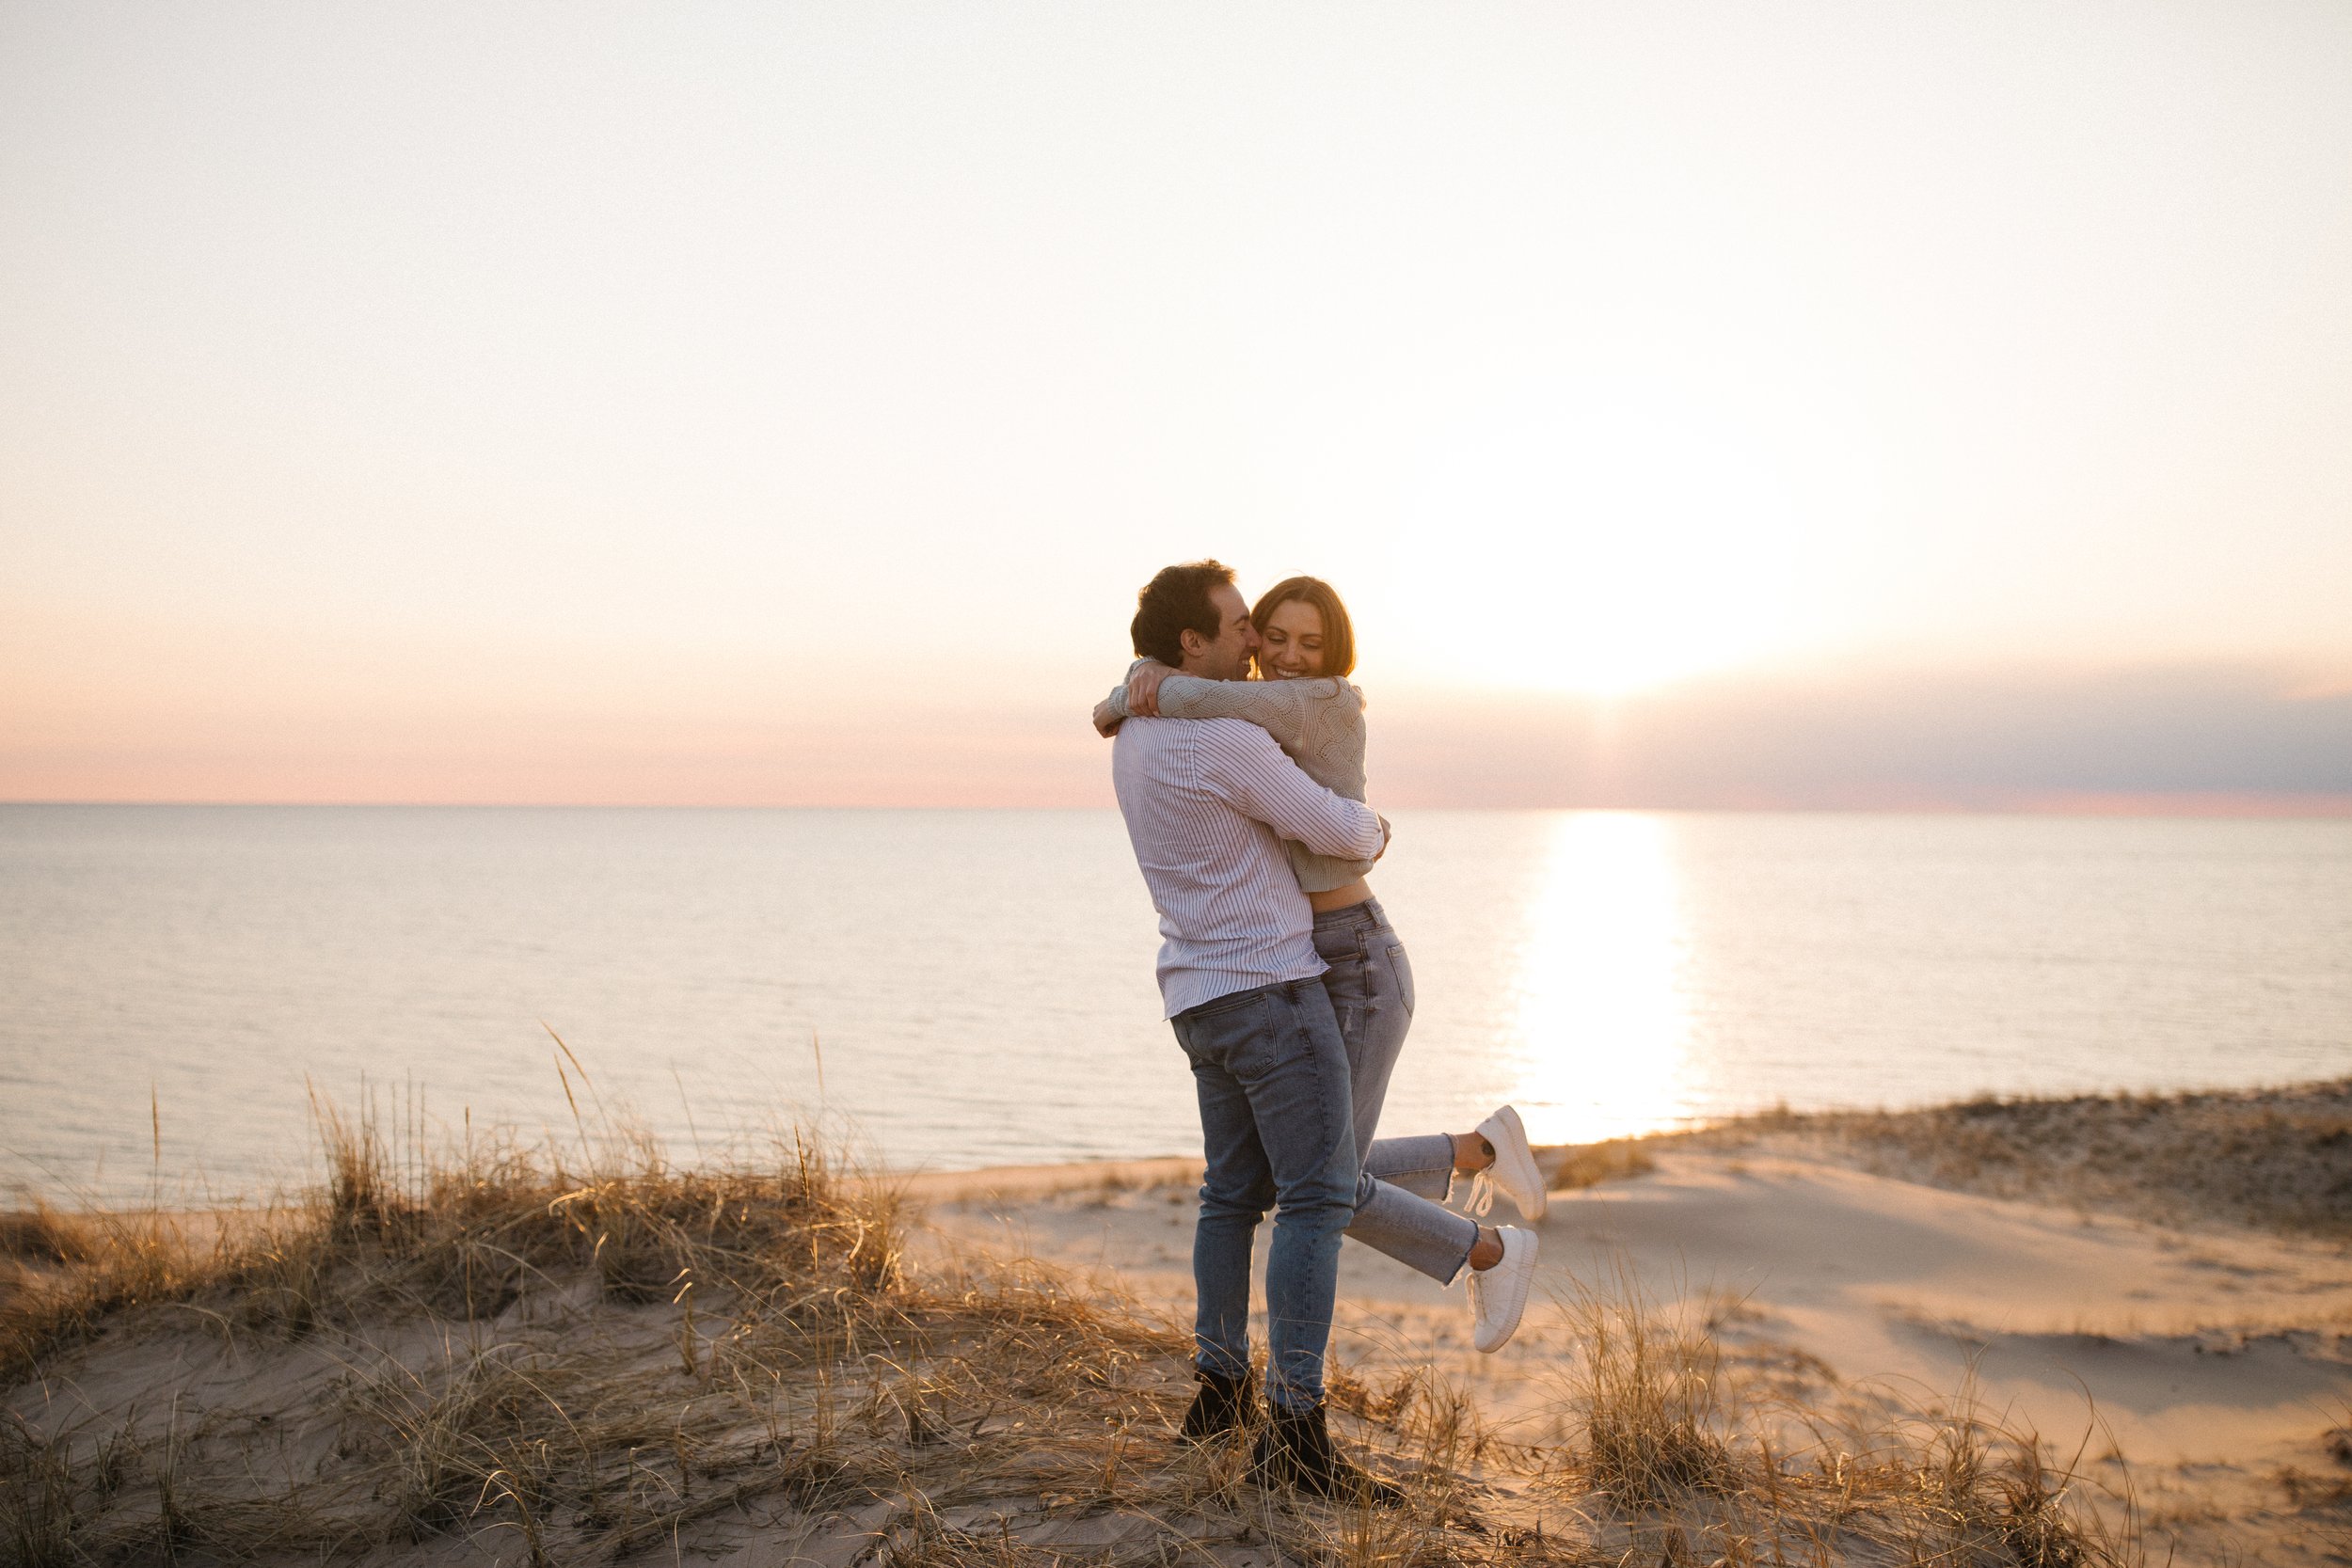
point(1295, 1450)
point(1223, 1405)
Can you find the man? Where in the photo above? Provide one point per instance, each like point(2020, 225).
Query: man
point(1207, 802)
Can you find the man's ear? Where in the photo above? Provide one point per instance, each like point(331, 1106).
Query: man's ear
point(1191, 641)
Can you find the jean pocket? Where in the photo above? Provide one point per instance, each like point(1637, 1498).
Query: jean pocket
point(1402, 968)
point(1211, 1032)
point(1231, 1002)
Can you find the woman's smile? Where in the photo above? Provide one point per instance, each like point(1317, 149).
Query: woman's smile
point(1291, 642)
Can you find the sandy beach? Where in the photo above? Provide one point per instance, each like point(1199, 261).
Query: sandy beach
point(2182, 1386)
point(2202, 1364)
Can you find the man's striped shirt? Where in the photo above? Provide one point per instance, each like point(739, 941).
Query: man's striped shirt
point(1208, 802)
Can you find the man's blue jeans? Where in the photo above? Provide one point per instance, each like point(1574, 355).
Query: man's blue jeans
point(1277, 1129)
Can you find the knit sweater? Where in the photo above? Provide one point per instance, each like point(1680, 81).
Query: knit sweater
point(1319, 722)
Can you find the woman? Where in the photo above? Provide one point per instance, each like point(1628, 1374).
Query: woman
point(1306, 645)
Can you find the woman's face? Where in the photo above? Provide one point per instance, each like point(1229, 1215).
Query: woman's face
point(1290, 646)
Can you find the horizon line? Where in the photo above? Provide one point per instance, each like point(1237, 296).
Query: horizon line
point(2185, 804)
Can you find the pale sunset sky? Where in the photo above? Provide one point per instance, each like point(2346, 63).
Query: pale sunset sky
point(1816, 405)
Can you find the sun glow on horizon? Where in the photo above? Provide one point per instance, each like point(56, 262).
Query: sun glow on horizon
point(1603, 1032)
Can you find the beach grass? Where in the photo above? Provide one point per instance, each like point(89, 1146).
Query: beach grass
point(575, 1352)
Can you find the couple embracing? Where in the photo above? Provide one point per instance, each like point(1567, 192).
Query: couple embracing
point(1291, 995)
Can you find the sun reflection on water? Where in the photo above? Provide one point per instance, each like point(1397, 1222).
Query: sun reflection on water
point(1603, 1026)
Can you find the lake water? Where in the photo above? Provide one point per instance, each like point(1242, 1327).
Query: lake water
point(978, 985)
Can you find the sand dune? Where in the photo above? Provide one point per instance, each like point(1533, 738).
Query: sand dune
point(2210, 1361)
point(2191, 1383)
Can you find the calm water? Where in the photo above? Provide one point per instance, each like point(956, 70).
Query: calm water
point(980, 981)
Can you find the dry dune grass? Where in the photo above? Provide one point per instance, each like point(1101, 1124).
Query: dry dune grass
point(1711, 1462)
point(583, 1355)
point(2277, 1158)
point(1579, 1165)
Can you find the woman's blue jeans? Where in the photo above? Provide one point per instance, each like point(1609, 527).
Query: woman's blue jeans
point(1404, 1182)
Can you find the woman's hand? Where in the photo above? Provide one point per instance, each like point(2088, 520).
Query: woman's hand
point(1143, 688)
point(1108, 718)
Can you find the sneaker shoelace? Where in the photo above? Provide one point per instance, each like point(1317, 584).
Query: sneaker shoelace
point(1482, 1195)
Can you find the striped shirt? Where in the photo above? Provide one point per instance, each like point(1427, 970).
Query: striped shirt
point(1317, 720)
point(1208, 802)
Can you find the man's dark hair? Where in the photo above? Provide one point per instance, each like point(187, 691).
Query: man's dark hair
point(1176, 601)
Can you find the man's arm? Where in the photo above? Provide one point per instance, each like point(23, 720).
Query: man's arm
point(1278, 707)
point(1136, 695)
point(1245, 770)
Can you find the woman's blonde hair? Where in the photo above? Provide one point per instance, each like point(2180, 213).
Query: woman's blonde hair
point(1338, 632)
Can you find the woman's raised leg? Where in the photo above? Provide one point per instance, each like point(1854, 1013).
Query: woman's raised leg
point(1399, 1193)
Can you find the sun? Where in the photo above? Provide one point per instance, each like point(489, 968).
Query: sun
point(1598, 549)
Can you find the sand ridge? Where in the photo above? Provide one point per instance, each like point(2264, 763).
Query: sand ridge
point(2209, 1361)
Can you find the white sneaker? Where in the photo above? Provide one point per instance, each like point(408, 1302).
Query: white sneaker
point(1498, 1295)
point(1514, 1170)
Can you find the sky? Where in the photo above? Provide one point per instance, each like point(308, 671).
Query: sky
point(1813, 406)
